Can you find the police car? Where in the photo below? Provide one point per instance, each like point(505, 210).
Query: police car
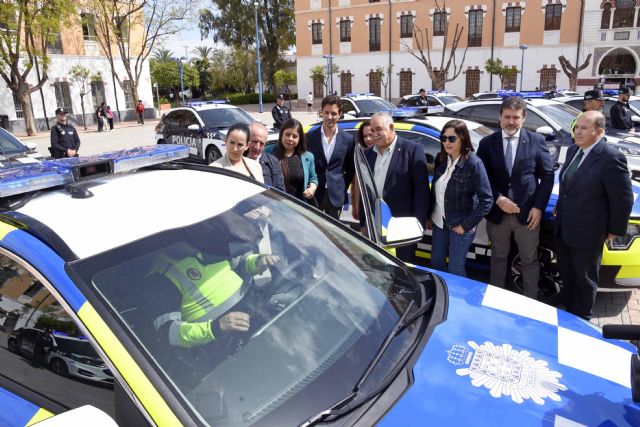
point(14, 152)
point(202, 127)
point(610, 99)
point(367, 104)
point(436, 101)
point(341, 332)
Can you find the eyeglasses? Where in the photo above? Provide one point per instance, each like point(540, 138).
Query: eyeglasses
point(451, 138)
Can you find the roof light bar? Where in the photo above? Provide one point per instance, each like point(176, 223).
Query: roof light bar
point(55, 173)
point(351, 95)
point(523, 94)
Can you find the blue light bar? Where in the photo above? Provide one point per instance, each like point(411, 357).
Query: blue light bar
point(55, 173)
point(351, 95)
point(436, 92)
point(523, 94)
point(610, 92)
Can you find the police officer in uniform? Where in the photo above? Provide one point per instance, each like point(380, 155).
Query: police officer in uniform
point(421, 101)
point(280, 112)
point(64, 137)
point(621, 113)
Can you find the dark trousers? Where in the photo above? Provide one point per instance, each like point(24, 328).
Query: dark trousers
point(579, 270)
point(110, 123)
point(141, 117)
point(100, 123)
point(326, 207)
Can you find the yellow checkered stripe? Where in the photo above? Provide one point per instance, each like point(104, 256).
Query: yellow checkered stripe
point(41, 415)
point(5, 229)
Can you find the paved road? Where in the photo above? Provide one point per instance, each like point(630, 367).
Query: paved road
point(618, 307)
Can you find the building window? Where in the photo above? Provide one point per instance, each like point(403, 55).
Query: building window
point(316, 33)
point(623, 14)
point(32, 290)
point(510, 81)
point(473, 83)
point(375, 81)
point(374, 34)
point(605, 22)
point(54, 44)
point(406, 83)
point(63, 96)
point(18, 105)
point(439, 23)
point(126, 88)
point(552, 17)
point(475, 27)
point(97, 93)
point(512, 23)
point(318, 87)
point(547, 78)
point(345, 83)
point(88, 26)
point(406, 26)
point(438, 82)
point(345, 30)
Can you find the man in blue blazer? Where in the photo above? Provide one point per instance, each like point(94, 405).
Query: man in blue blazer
point(520, 172)
point(333, 154)
point(400, 173)
point(594, 205)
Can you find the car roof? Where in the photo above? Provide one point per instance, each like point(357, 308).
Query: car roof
point(204, 106)
point(127, 207)
point(360, 96)
point(535, 102)
point(438, 122)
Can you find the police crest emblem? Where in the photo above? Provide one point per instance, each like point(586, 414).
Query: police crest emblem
point(505, 371)
point(193, 274)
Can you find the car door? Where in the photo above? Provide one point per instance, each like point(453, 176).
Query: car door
point(488, 115)
point(430, 144)
point(435, 106)
point(192, 133)
point(349, 108)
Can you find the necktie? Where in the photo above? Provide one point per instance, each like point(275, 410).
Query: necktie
point(573, 166)
point(508, 157)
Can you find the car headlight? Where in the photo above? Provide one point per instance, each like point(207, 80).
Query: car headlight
point(623, 242)
point(628, 151)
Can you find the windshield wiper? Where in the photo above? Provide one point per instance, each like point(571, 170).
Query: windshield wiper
point(337, 409)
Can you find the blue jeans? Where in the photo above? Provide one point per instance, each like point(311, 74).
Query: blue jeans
point(446, 242)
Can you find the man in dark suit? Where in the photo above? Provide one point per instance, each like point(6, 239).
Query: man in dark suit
point(594, 204)
point(333, 154)
point(520, 171)
point(400, 173)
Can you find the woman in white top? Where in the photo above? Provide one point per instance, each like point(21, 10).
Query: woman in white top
point(237, 142)
point(460, 197)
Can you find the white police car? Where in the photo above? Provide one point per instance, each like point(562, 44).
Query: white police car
point(436, 101)
point(365, 105)
point(14, 152)
point(340, 331)
point(202, 126)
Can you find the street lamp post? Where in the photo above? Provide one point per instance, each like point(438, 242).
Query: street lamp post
point(181, 80)
point(523, 47)
point(329, 59)
point(155, 85)
point(255, 9)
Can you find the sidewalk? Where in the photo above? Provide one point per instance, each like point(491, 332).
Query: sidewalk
point(90, 129)
point(617, 308)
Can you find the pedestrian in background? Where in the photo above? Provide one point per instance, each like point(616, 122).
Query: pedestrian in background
point(594, 205)
point(65, 141)
point(460, 198)
point(400, 173)
point(621, 112)
point(99, 117)
point(520, 172)
point(280, 112)
point(237, 142)
point(271, 172)
point(310, 103)
point(364, 140)
point(109, 115)
point(140, 111)
point(296, 163)
point(333, 153)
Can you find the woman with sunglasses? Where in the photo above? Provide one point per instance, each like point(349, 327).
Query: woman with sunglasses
point(460, 197)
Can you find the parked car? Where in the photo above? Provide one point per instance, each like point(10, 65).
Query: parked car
point(436, 100)
point(14, 152)
point(341, 332)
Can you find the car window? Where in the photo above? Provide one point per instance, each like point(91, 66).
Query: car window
point(635, 103)
point(222, 118)
point(488, 115)
point(431, 145)
point(316, 316)
point(347, 106)
point(450, 99)
point(368, 107)
point(607, 107)
point(43, 349)
point(173, 118)
point(433, 102)
point(9, 145)
point(188, 118)
point(534, 121)
point(563, 115)
point(578, 104)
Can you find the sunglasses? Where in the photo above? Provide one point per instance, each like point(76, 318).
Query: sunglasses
point(451, 138)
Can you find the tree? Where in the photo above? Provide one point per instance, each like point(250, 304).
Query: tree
point(80, 76)
point(319, 72)
point(204, 57)
point(27, 26)
point(496, 67)
point(167, 76)
point(283, 79)
point(150, 20)
point(163, 55)
point(385, 71)
point(439, 75)
point(228, 22)
point(571, 71)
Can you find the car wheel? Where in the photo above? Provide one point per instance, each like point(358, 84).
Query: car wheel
point(212, 155)
point(161, 141)
point(59, 367)
point(550, 282)
point(13, 346)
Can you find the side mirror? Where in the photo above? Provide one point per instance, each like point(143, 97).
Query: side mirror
point(351, 113)
point(193, 127)
point(32, 147)
point(545, 130)
point(79, 417)
point(403, 231)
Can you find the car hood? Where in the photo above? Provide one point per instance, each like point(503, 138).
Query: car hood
point(502, 359)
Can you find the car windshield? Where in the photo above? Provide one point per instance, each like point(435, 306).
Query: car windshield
point(224, 117)
point(477, 133)
point(316, 317)
point(450, 99)
point(635, 103)
point(75, 346)
point(562, 114)
point(369, 107)
point(10, 146)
